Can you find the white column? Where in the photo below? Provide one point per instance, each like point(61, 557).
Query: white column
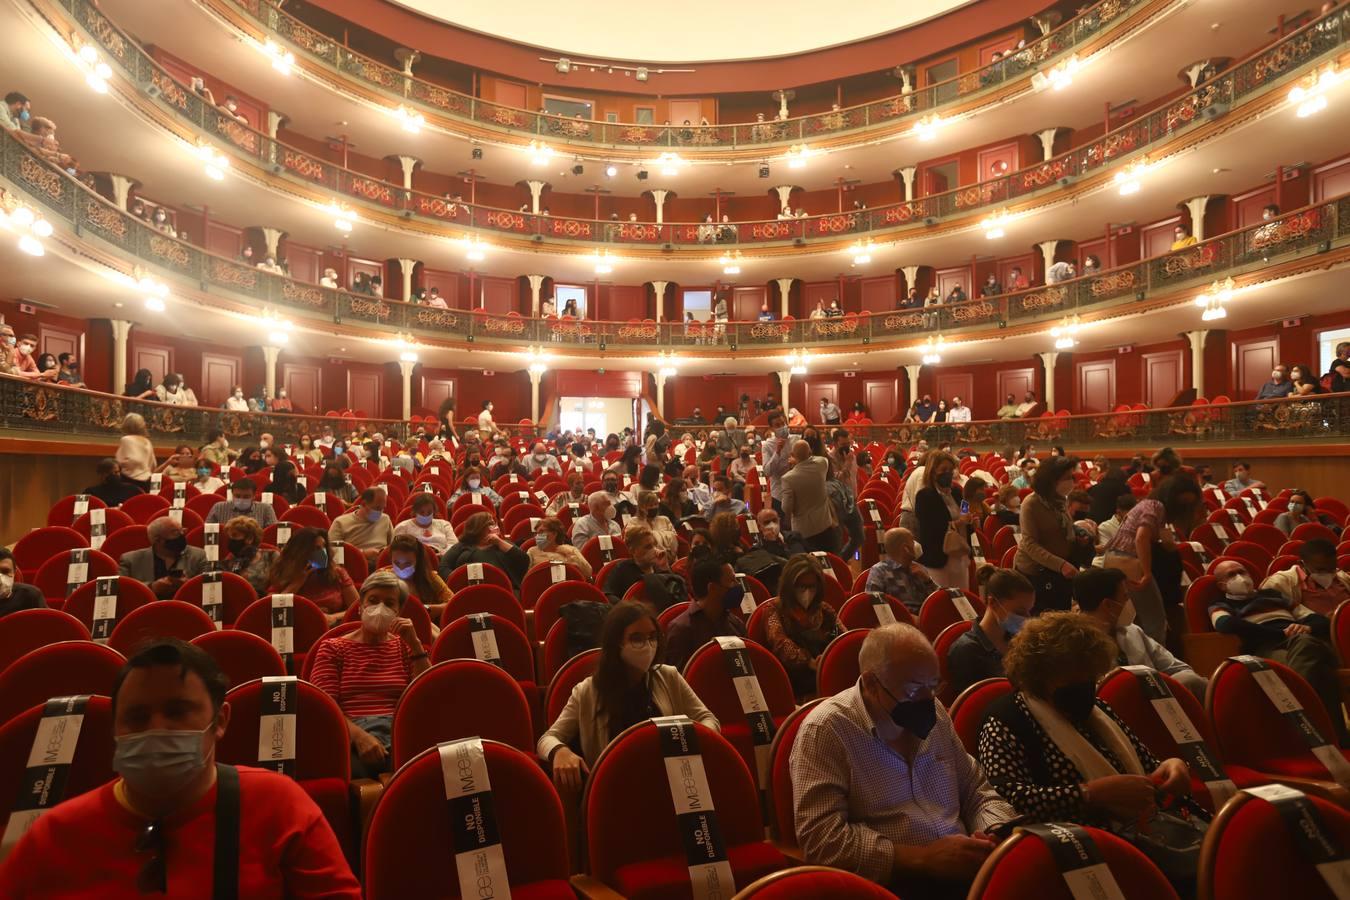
point(536, 191)
point(1049, 357)
point(659, 289)
point(1196, 207)
point(785, 196)
point(272, 238)
point(405, 368)
point(911, 277)
point(784, 290)
point(1047, 142)
point(536, 287)
point(274, 120)
point(121, 188)
point(782, 97)
point(660, 392)
point(1197, 342)
point(406, 267)
point(270, 356)
point(535, 377)
point(907, 176)
point(785, 383)
point(660, 197)
point(1047, 249)
point(912, 370)
point(408, 164)
point(120, 329)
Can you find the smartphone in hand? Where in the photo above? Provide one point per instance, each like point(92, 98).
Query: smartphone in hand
point(965, 508)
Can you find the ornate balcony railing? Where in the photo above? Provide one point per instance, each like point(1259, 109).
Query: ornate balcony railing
point(1310, 230)
point(436, 99)
point(1216, 97)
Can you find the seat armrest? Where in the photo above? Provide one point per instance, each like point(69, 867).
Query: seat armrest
point(1327, 790)
point(365, 794)
point(1205, 650)
point(793, 853)
point(594, 889)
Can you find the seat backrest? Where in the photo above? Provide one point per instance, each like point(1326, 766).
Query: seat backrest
point(57, 670)
point(130, 594)
point(782, 815)
point(413, 822)
point(321, 738)
point(551, 602)
point(144, 508)
point(1248, 729)
point(595, 555)
point(1250, 854)
point(514, 648)
point(969, 708)
point(161, 619)
point(1124, 694)
point(1022, 866)
point(621, 832)
point(63, 512)
point(837, 669)
point(461, 698)
point(484, 598)
point(860, 611)
point(236, 595)
point(813, 881)
point(708, 674)
point(90, 766)
point(41, 544)
point(241, 656)
point(310, 622)
point(541, 577)
point(940, 610)
point(28, 629)
point(459, 578)
point(573, 672)
point(942, 645)
point(1202, 592)
point(53, 577)
point(113, 519)
point(124, 540)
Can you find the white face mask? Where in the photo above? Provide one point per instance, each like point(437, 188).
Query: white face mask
point(377, 620)
point(474, 483)
point(1240, 586)
point(1126, 617)
point(918, 549)
point(639, 659)
point(1323, 580)
point(6, 585)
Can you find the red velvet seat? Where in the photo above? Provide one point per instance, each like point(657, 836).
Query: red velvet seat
point(515, 650)
point(303, 516)
point(1268, 537)
point(549, 607)
point(412, 610)
point(540, 578)
point(62, 511)
point(322, 758)
point(707, 673)
point(1022, 867)
point(1310, 530)
point(459, 578)
point(145, 508)
point(28, 629)
point(412, 822)
point(241, 656)
point(834, 564)
point(939, 611)
point(90, 767)
point(461, 698)
point(484, 598)
point(782, 816)
point(837, 669)
point(41, 544)
point(632, 837)
point(1249, 853)
point(942, 646)
point(57, 670)
point(572, 673)
point(310, 624)
point(161, 619)
point(51, 577)
point(814, 881)
point(968, 709)
point(124, 540)
point(130, 594)
point(859, 611)
point(113, 519)
point(236, 595)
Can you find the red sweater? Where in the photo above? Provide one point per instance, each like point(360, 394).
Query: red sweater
point(85, 847)
point(364, 679)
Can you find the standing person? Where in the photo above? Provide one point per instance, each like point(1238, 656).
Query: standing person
point(1049, 552)
point(487, 428)
point(153, 829)
point(1337, 378)
point(135, 453)
point(805, 501)
point(775, 452)
point(944, 531)
point(829, 411)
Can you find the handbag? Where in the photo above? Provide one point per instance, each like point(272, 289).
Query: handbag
point(953, 544)
point(1170, 841)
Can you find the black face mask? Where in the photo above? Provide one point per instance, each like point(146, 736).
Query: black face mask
point(177, 545)
point(945, 479)
point(1076, 701)
point(915, 716)
point(236, 546)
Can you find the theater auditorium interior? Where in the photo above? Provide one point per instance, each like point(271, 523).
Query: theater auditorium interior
point(757, 450)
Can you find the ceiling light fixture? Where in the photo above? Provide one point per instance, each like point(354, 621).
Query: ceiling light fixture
point(611, 171)
point(669, 164)
point(411, 120)
point(730, 262)
point(1058, 77)
point(1213, 300)
point(31, 227)
point(540, 153)
point(538, 360)
point(797, 361)
point(797, 155)
point(343, 216)
point(282, 59)
point(667, 364)
point(407, 356)
point(603, 263)
point(96, 72)
point(153, 291)
point(861, 252)
point(214, 163)
point(927, 128)
point(1310, 93)
point(475, 249)
point(932, 350)
point(1064, 332)
point(1129, 180)
point(993, 226)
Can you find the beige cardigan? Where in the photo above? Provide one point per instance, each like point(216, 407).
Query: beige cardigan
point(670, 692)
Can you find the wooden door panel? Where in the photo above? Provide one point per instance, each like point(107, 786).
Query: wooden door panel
point(1331, 180)
point(498, 295)
point(159, 360)
point(1164, 376)
point(997, 161)
point(1012, 381)
point(879, 294)
point(1156, 239)
point(220, 374)
point(58, 340)
point(627, 301)
point(223, 240)
point(881, 398)
point(1096, 386)
point(304, 387)
point(746, 301)
point(950, 278)
point(682, 111)
point(1252, 362)
point(364, 392)
point(436, 391)
point(512, 93)
point(954, 384)
point(815, 392)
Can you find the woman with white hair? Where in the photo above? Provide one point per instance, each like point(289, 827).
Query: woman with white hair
point(366, 671)
point(135, 454)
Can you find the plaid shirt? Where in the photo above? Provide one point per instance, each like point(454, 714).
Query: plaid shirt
point(909, 587)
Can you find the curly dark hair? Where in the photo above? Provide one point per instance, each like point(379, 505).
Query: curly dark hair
point(1054, 644)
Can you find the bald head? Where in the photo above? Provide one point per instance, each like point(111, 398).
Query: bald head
point(891, 645)
point(899, 545)
point(898, 667)
point(1232, 578)
point(801, 451)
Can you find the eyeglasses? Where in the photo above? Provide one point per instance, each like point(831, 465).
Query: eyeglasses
point(153, 877)
point(642, 641)
point(912, 692)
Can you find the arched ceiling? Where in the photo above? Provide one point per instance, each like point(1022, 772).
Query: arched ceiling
point(692, 31)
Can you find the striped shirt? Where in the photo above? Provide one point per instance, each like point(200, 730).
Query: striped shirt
point(364, 679)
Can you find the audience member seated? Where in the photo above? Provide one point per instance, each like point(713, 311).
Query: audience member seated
point(622, 501)
point(649, 514)
point(241, 539)
point(628, 687)
point(540, 460)
point(1241, 480)
point(1298, 512)
point(410, 563)
point(1100, 594)
point(881, 785)
point(366, 526)
point(472, 483)
point(575, 494)
point(365, 671)
point(551, 545)
point(898, 573)
point(167, 562)
point(481, 541)
point(135, 453)
point(438, 534)
point(722, 500)
point(709, 614)
point(646, 563)
point(1009, 600)
point(217, 450)
point(1107, 531)
point(14, 594)
point(772, 539)
point(251, 461)
point(800, 623)
point(1315, 583)
point(1008, 506)
point(1055, 751)
point(305, 567)
point(599, 519)
point(724, 530)
point(169, 713)
point(241, 503)
point(284, 483)
point(333, 482)
point(181, 466)
point(111, 489)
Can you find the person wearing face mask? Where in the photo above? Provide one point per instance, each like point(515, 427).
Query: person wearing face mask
point(242, 503)
point(1008, 506)
point(574, 497)
point(1107, 531)
point(334, 482)
point(366, 526)
point(152, 830)
point(898, 574)
point(1315, 583)
point(236, 401)
point(1241, 480)
point(649, 514)
point(859, 761)
point(1048, 547)
point(1100, 595)
point(282, 403)
point(713, 611)
point(1056, 751)
point(217, 449)
point(284, 482)
point(1298, 512)
point(14, 594)
point(242, 553)
point(481, 541)
point(551, 545)
point(629, 686)
point(487, 428)
point(505, 462)
point(111, 489)
point(15, 111)
point(806, 502)
point(1278, 386)
point(698, 491)
point(540, 460)
point(978, 654)
point(25, 364)
point(366, 671)
point(167, 562)
point(774, 540)
point(251, 460)
point(409, 562)
point(599, 519)
point(424, 527)
point(171, 391)
point(943, 529)
point(800, 623)
point(647, 563)
point(472, 483)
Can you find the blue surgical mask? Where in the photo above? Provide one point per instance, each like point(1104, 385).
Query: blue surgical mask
point(1014, 622)
point(374, 515)
point(541, 540)
point(243, 505)
point(24, 115)
point(405, 572)
point(474, 483)
point(203, 471)
point(423, 521)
